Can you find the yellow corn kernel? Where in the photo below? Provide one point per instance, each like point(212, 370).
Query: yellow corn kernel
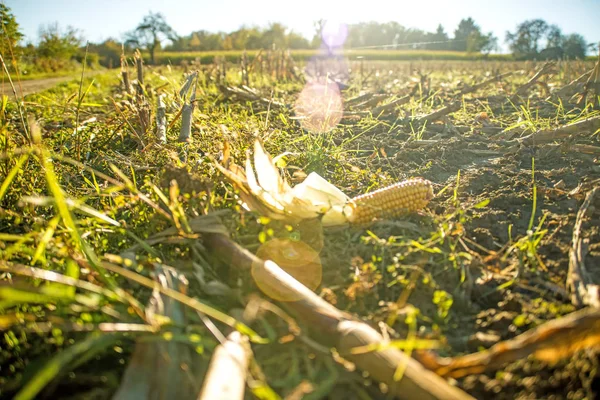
point(389, 202)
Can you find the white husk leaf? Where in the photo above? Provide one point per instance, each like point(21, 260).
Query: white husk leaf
point(313, 198)
point(267, 173)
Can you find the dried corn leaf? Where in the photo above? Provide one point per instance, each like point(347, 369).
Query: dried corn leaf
point(550, 342)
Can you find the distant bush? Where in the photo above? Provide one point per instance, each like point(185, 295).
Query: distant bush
point(109, 52)
point(92, 59)
point(59, 44)
point(58, 50)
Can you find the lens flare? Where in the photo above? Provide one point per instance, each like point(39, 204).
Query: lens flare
point(319, 106)
point(296, 258)
point(334, 33)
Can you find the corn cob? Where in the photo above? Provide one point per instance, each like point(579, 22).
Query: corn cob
point(392, 201)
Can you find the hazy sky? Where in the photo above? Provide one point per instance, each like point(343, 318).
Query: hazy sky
point(100, 19)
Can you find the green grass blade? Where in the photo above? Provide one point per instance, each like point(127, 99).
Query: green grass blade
point(11, 175)
point(76, 204)
point(482, 204)
point(186, 300)
point(63, 210)
point(94, 343)
point(52, 276)
point(11, 296)
point(9, 237)
point(534, 206)
point(41, 248)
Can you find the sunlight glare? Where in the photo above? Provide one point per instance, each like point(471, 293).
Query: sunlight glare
point(296, 258)
point(334, 33)
point(319, 106)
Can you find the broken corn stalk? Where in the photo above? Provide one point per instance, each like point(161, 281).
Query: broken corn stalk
point(263, 190)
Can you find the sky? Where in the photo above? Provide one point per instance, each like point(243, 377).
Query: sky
point(101, 19)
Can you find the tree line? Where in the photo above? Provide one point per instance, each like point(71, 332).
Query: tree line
point(531, 39)
point(57, 47)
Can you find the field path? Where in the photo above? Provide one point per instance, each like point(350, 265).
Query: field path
point(36, 85)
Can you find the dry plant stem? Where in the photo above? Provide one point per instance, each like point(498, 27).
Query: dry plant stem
point(19, 103)
point(359, 99)
point(390, 106)
point(436, 115)
point(187, 114)
point(140, 74)
point(421, 143)
point(585, 149)
point(542, 137)
point(126, 84)
point(125, 75)
point(256, 61)
point(244, 66)
point(186, 122)
point(190, 79)
point(593, 83)
point(548, 342)
point(345, 331)
point(474, 88)
point(224, 70)
point(371, 102)
point(226, 376)
point(241, 93)
point(161, 120)
point(546, 69)
point(247, 94)
point(575, 86)
point(441, 128)
point(144, 117)
point(582, 290)
point(79, 100)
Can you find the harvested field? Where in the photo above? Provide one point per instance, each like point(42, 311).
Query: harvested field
point(122, 263)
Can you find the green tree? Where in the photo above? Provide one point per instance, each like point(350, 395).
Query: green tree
point(227, 43)
point(10, 36)
point(574, 46)
point(56, 43)
point(489, 44)
point(478, 42)
point(151, 33)
point(469, 37)
point(274, 36)
point(525, 42)
point(109, 52)
point(317, 39)
point(239, 38)
point(412, 37)
point(212, 41)
point(297, 41)
point(554, 37)
point(466, 29)
point(386, 35)
point(195, 42)
point(554, 44)
point(182, 43)
point(439, 36)
point(254, 39)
